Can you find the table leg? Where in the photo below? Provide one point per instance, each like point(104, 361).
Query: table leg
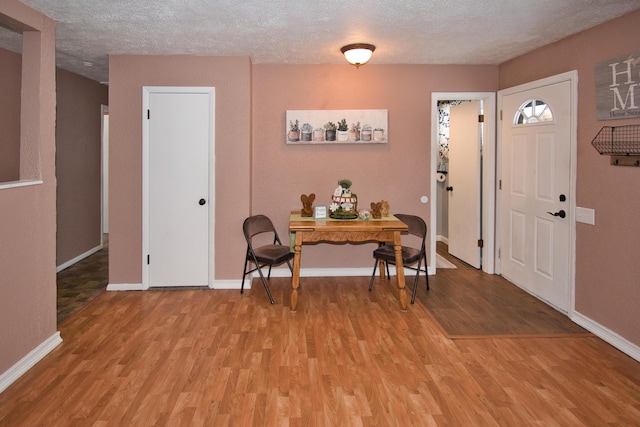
point(402, 293)
point(383, 271)
point(295, 277)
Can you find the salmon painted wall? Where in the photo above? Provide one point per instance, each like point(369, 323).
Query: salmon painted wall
point(28, 226)
point(78, 164)
point(231, 77)
point(398, 171)
point(607, 253)
point(10, 82)
point(255, 170)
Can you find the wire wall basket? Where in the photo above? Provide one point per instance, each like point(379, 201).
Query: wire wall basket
point(622, 143)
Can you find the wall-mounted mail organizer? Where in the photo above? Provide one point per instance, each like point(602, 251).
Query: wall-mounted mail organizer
point(622, 143)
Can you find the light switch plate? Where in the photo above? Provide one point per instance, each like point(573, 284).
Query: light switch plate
point(586, 215)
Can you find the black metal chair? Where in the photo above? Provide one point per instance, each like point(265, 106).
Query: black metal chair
point(268, 254)
point(410, 256)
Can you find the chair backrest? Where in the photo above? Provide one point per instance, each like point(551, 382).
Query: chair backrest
point(258, 224)
point(417, 226)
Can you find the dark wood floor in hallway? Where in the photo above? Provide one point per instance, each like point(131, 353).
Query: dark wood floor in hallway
point(81, 282)
point(348, 356)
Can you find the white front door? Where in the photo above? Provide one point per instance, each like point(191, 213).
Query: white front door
point(178, 186)
point(536, 197)
point(464, 182)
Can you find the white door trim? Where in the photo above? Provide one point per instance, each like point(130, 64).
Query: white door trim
point(488, 178)
point(104, 176)
point(572, 77)
point(146, 92)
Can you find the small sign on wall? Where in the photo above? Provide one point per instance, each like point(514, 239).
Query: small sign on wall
point(618, 87)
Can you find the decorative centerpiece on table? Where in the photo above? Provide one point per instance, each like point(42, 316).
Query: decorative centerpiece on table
point(344, 203)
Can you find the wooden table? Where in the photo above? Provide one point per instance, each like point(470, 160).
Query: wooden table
point(308, 230)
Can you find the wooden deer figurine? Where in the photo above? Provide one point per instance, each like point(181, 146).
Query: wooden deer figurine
point(376, 210)
point(385, 207)
point(307, 204)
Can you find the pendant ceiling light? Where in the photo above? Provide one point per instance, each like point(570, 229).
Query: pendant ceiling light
point(358, 53)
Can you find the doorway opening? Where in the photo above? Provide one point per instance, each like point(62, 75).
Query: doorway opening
point(459, 222)
point(485, 192)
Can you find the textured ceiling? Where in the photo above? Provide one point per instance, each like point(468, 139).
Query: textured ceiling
point(312, 31)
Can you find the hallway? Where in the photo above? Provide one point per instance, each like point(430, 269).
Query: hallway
point(82, 282)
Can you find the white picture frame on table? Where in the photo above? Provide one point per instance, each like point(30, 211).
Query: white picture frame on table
point(320, 212)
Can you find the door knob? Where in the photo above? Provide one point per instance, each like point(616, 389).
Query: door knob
point(449, 188)
point(202, 202)
point(561, 213)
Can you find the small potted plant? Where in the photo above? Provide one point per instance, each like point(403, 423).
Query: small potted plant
point(330, 129)
point(318, 134)
point(354, 132)
point(366, 133)
point(378, 134)
point(306, 132)
point(294, 131)
point(343, 130)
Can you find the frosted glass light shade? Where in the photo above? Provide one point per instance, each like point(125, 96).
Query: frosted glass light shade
point(358, 53)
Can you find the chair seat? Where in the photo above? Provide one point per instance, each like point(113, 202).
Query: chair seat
point(273, 254)
point(387, 253)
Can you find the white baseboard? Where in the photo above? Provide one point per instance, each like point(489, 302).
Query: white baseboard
point(444, 239)
point(229, 284)
point(322, 272)
point(316, 272)
point(16, 371)
point(305, 272)
point(78, 258)
point(607, 335)
point(125, 287)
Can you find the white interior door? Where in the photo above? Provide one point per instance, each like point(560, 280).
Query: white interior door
point(464, 182)
point(179, 183)
point(536, 214)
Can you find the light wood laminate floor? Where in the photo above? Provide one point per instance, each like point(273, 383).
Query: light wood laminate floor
point(346, 357)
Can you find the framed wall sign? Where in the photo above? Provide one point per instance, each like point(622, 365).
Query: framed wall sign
point(337, 127)
point(617, 90)
point(320, 212)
